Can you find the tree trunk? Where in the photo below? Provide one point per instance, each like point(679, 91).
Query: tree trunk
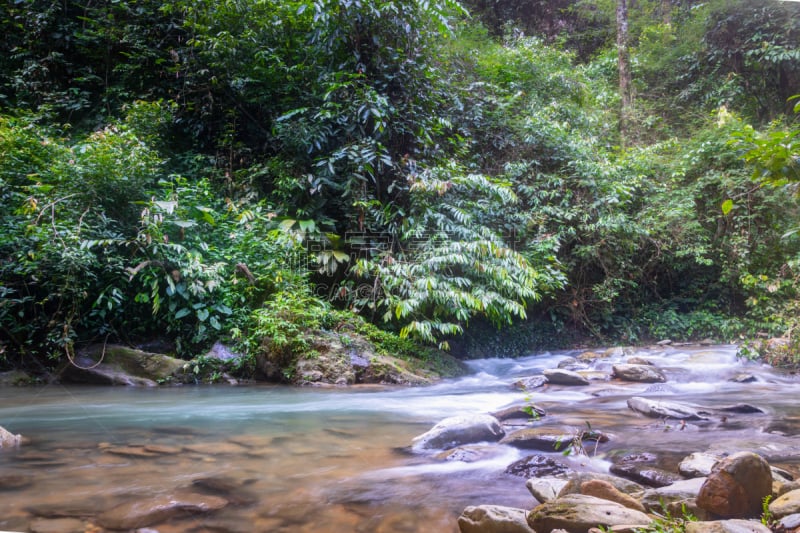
point(624, 66)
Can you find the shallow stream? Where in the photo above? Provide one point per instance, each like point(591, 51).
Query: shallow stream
point(338, 460)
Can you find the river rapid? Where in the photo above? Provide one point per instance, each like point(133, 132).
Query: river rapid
point(339, 460)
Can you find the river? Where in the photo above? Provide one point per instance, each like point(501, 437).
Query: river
point(338, 460)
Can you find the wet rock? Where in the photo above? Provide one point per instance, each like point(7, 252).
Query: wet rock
point(660, 388)
point(545, 489)
point(645, 474)
point(740, 408)
point(537, 466)
point(530, 383)
point(162, 449)
point(120, 365)
point(588, 357)
point(665, 409)
point(8, 439)
point(15, 378)
point(639, 361)
point(736, 486)
point(698, 464)
point(544, 439)
point(131, 451)
point(727, 526)
point(143, 513)
point(493, 519)
point(619, 351)
point(457, 430)
point(524, 411)
point(14, 481)
point(569, 363)
point(639, 373)
point(576, 513)
point(786, 504)
point(606, 491)
point(59, 525)
point(573, 486)
point(686, 489)
point(560, 376)
point(743, 378)
point(468, 454)
point(231, 489)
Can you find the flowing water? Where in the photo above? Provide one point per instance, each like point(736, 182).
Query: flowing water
point(338, 460)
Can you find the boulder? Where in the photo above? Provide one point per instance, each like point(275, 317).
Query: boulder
point(639, 373)
point(143, 513)
point(15, 378)
point(698, 464)
point(8, 439)
point(524, 411)
point(119, 365)
point(493, 519)
point(727, 526)
point(576, 513)
point(736, 486)
point(537, 466)
point(606, 491)
point(785, 504)
point(458, 430)
point(653, 499)
point(665, 409)
point(545, 489)
point(560, 376)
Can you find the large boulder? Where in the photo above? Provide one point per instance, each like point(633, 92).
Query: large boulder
point(459, 430)
point(544, 439)
point(493, 519)
point(119, 365)
point(576, 513)
point(736, 486)
point(639, 373)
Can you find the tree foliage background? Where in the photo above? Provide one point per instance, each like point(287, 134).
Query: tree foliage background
point(179, 169)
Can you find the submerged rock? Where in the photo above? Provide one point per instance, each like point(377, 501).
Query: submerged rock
point(493, 519)
point(457, 430)
point(143, 513)
point(576, 513)
point(737, 486)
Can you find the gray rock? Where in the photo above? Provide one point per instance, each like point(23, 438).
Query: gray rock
point(15, 378)
point(458, 430)
point(665, 409)
point(645, 474)
point(727, 526)
point(524, 411)
point(529, 383)
point(560, 376)
point(576, 513)
point(8, 439)
point(544, 439)
point(545, 489)
point(737, 486)
point(222, 352)
point(790, 522)
point(698, 464)
point(493, 519)
point(652, 499)
point(537, 466)
point(639, 373)
point(143, 513)
point(569, 363)
point(639, 361)
point(743, 378)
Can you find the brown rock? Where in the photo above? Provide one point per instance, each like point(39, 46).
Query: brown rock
point(736, 486)
point(143, 513)
point(605, 490)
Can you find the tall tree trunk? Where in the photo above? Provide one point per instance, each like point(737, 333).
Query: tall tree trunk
point(624, 66)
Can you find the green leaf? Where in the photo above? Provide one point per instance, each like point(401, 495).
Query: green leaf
point(182, 313)
point(726, 207)
point(202, 314)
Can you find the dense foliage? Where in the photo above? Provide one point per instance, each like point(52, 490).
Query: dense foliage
point(240, 170)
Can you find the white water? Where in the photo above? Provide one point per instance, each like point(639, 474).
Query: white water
point(337, 459)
